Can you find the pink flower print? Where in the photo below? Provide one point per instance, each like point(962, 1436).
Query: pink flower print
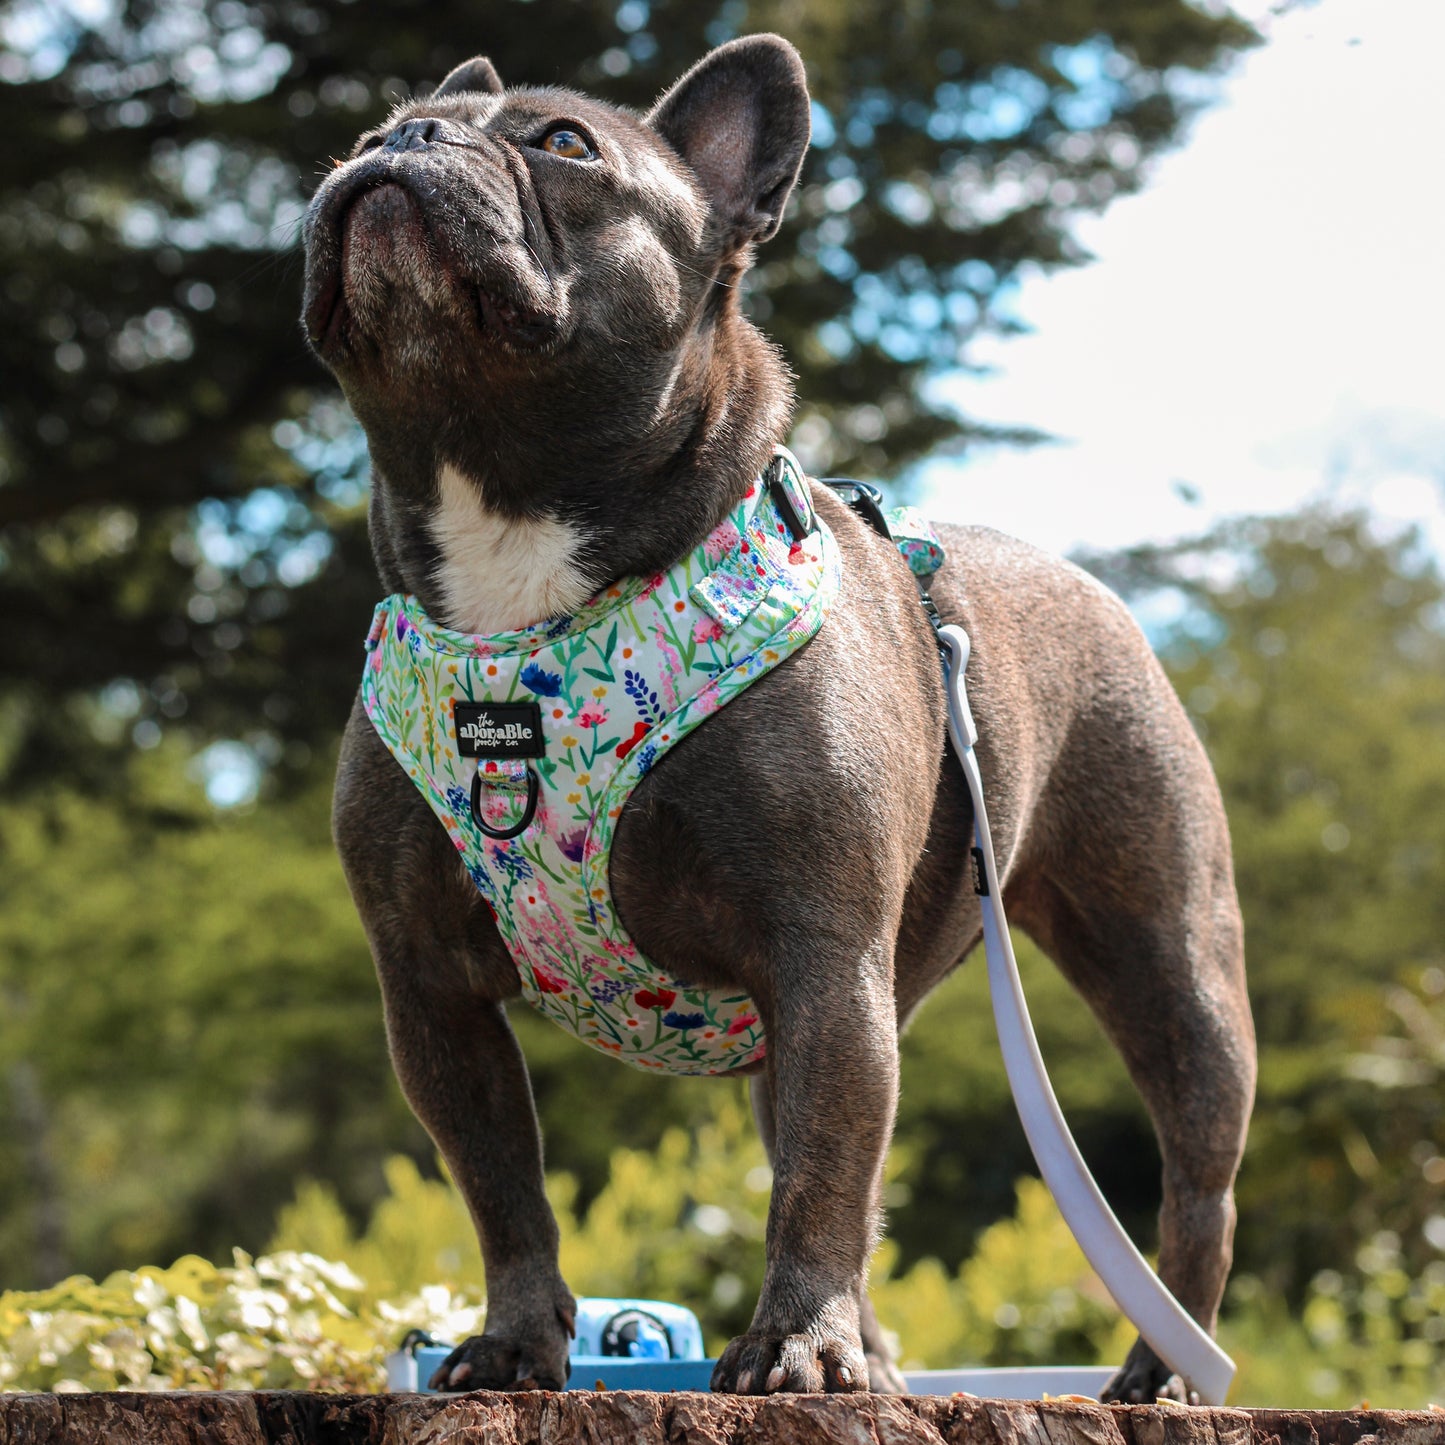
point(707, 629)
point(707, 702)
point(620, 950)
point(673, 670)
point(592, 716)
point(653, 583)
point(742, 1024)
point(721, 540)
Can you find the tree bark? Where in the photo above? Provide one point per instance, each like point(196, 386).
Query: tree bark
point(639, 1418)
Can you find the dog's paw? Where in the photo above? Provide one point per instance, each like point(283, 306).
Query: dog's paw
point(498, 1362)
point(755, 1364)
point(1144, 1378)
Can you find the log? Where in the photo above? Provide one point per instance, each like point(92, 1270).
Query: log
point(635, 1417)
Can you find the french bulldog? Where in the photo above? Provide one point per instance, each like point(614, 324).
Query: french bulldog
point(530, 299)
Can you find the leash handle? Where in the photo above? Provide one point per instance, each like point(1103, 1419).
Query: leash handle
point(1169, 1330)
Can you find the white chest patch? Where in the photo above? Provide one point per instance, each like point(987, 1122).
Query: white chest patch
point(498, 573)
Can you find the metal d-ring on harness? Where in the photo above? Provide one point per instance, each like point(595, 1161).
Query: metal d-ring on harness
point(1173, 1334)
point(534, 785)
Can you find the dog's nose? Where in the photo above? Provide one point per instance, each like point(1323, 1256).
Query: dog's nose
point(411, 135)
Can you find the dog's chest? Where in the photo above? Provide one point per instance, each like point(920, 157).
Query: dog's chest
point(498, 573)
point(608, 692)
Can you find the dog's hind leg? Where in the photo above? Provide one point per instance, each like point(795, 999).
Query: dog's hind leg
point(1165, 976)
point(884, 1376)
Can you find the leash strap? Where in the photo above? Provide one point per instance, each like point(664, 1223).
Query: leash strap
point(1170, 1331)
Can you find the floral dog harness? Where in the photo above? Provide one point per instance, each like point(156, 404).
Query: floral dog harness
point(527, 745)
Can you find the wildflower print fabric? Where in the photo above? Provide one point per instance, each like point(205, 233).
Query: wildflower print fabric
point(915, 538)
point(634, 671)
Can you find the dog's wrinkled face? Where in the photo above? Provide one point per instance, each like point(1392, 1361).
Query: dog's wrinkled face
point(527, 296)
point(488, 231)
point(480, 235)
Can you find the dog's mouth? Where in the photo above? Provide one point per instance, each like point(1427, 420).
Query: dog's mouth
point(514, 323)
point(380, 243)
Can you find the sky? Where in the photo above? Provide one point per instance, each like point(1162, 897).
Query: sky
point(1264, 323)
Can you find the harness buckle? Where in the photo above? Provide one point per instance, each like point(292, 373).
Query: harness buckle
point(796, 524)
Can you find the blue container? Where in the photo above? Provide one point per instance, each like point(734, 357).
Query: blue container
point(621, 1344)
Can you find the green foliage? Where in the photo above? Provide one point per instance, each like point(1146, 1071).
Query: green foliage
point(419, 1232)
point(179, 488)
point(1026, 1296)
point(188, 1023)
point(282, 1322)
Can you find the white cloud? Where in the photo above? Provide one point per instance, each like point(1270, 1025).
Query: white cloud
point(1278, 280)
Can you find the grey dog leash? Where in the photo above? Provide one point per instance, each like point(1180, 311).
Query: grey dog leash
point(1169, 1330)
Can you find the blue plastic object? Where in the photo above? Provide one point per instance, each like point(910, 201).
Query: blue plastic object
point(621, 1344)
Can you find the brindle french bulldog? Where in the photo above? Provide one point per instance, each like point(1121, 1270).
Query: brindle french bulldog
point(530, 299)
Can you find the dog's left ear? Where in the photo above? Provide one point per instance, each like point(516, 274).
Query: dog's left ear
point(740, 119)
point(478, 73)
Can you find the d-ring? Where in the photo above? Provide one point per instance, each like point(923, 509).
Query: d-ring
point(528, 813)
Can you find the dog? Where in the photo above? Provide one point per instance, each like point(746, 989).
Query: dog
point(530, 300)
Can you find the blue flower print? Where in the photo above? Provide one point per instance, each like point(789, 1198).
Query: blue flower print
point(604, 991)
point(573, 844)
point(540, 681)
point(458, 801)
point(640, 693)
point(647, 755)
point(512, 863)
point(684, 1021)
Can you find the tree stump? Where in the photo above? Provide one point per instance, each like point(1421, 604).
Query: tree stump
point(634, 1417)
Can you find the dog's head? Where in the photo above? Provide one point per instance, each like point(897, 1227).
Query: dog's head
point(537, 289)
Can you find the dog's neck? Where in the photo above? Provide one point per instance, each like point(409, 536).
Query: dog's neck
point(493, 538)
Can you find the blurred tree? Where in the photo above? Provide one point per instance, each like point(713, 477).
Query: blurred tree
point(188, 1021)
point(1311, 654)
point(180, 526)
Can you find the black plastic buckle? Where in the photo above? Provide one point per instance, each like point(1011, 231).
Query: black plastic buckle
point(528, 813)
point(782, 501)
point(864, 498)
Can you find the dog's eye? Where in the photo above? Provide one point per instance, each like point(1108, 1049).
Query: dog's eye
point(568, 143)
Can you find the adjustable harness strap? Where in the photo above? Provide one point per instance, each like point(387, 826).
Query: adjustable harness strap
point(867, 501)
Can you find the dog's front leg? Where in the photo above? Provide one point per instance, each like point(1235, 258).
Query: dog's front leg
point(884, 1376)
point(444, 975)
point(833, 1081)
point(463, 1074)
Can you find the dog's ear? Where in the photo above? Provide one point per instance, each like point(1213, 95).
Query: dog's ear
point(740, 119)
point(478, 73)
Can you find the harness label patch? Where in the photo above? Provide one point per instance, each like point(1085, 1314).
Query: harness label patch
point(499, 729)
